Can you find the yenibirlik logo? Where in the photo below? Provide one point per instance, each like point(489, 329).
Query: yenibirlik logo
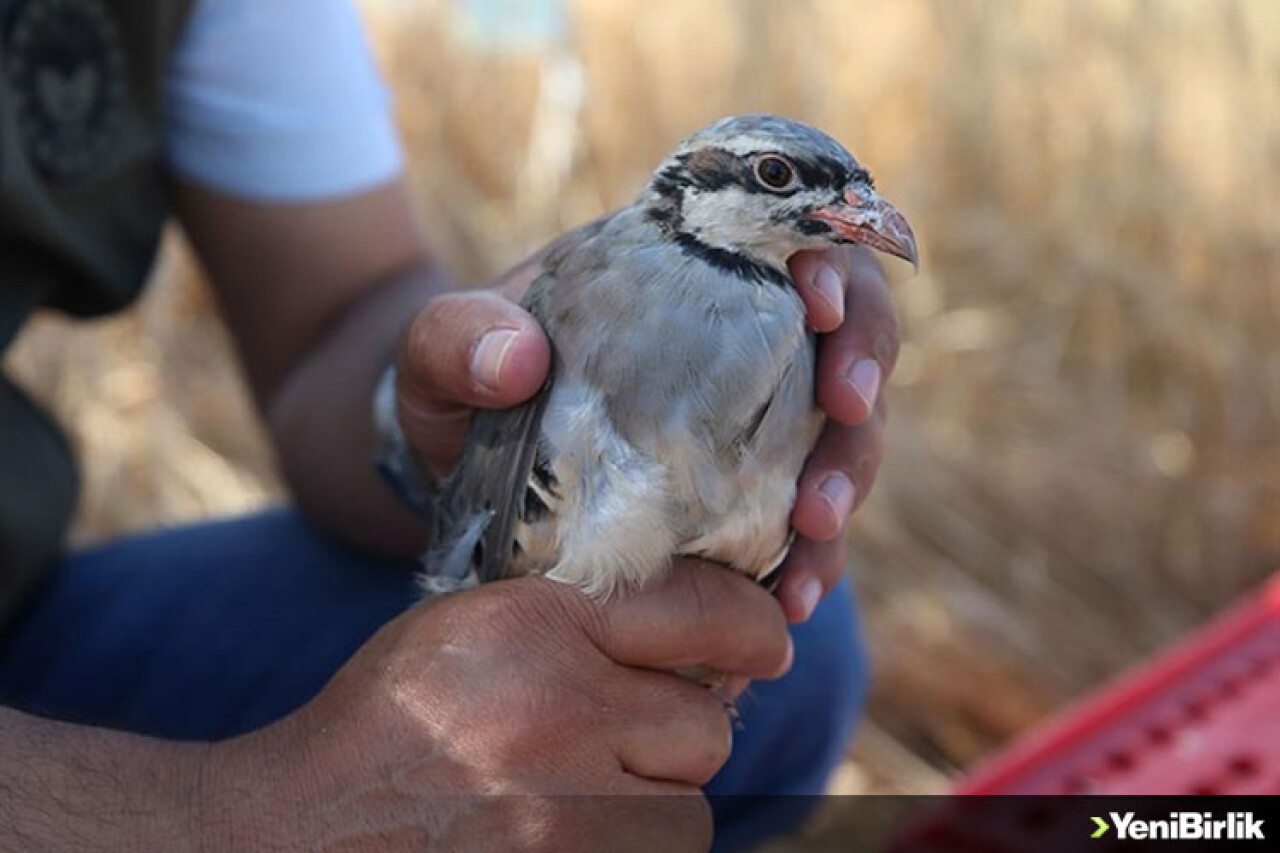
point(1183, 826)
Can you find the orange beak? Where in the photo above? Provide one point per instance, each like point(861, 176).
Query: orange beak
point(864, 217)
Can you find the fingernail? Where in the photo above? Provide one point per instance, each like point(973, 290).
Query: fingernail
point(491, 352)
point(790, 659)
point(809, 593)
point(839, 494)
point(864, 376)
point(828, 284)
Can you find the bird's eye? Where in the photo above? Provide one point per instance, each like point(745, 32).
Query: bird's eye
point(775, 173)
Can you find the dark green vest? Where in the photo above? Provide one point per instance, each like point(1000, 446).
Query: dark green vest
point(81, 207)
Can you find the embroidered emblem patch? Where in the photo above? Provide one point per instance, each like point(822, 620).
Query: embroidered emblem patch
point(66, 69)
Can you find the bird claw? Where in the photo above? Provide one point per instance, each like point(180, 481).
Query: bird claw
point(730, 706)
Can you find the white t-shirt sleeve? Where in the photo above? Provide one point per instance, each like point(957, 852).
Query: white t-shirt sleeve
point(278, 100)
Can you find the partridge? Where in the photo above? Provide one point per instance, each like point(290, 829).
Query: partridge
point(680, 408)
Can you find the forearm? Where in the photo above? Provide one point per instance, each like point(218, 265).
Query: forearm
point(65, 787)
point(321, 423)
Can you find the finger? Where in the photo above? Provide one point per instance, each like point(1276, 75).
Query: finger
point(701, 615)
point(465, 350)
point(838, 476)
point(675, 730)
point(821, 287)
point(855, 360)
point(813, 569)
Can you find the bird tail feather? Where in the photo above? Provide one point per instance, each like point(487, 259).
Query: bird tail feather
point(450, 567)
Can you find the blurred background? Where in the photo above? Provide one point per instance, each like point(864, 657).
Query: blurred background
point(1084, 454)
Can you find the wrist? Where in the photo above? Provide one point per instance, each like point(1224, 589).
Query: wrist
point(64, 786)
point(251, 791)
point(312, 781)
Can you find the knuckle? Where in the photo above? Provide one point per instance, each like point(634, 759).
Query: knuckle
point(845, 447)
point(440, 313)
point(864, 480)
point(828, 563)
point(858, 451)
point(873, 447)
point(544, 721)
point(881, 418)
point(872, 452)
point(842, 441)
point(433, 326)
point(413, 348)
point(864, 467)
point(887, 342)
point(540, 719)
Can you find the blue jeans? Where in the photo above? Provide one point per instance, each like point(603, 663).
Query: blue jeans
point(209, 631)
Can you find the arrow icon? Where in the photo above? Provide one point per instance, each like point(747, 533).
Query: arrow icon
point(1103, 826)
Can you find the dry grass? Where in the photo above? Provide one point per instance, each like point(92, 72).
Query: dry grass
point(1085, 457)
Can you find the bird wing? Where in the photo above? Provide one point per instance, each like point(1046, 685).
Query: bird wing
point(495, 485)
point(479, 505)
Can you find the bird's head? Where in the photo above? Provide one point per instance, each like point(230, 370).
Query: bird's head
point(763, 188)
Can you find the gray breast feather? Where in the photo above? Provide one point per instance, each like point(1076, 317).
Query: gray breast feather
point(678, 422)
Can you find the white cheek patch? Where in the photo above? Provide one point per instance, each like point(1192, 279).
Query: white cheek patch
point(728, 218)
point(737, 220)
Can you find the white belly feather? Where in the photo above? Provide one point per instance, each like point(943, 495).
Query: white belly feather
point(624, 505)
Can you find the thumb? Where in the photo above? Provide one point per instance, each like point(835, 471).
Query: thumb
point(464, 351)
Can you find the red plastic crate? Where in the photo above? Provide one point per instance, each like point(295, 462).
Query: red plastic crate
point(1202, 718)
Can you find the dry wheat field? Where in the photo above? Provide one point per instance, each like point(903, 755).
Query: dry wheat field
point(1084, 454)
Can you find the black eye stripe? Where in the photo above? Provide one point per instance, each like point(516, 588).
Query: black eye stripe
point(827, 173)
point(711, 169)
point(814, 227)
point(715, 168)
point(820, 173)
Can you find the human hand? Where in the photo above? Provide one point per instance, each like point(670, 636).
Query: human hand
point(465, 725)
point(847, 300)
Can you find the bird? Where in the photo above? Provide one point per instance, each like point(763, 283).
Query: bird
point(679, 407)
